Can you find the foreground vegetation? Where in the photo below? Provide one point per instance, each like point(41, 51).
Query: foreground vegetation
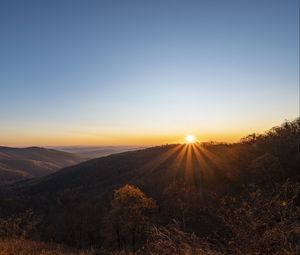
point(28, 247)
point(215, 199)
point(255, 222)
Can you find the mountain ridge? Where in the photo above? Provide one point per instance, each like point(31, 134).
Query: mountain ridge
point(19, 163)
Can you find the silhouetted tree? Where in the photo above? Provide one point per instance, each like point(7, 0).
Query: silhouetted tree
point(129, 217)
point(181, 203)
point(265, 169)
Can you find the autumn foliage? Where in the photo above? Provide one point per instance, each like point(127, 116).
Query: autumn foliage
point(129, 217)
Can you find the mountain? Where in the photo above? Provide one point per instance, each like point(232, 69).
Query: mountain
point(161, 164)
point(77, 196)
point(23, 163)
point(74, 200)
point(89, 152)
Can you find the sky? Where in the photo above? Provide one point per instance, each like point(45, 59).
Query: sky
point(143, 72)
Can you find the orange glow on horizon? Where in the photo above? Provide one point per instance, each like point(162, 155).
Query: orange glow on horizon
point(93, 140)
point(106, 138)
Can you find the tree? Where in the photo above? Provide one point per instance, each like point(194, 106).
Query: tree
point(19, 226)
point(129, 217)
point(181, 203)
point(265, 168)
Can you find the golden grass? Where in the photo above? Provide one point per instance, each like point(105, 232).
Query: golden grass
point(27, 247)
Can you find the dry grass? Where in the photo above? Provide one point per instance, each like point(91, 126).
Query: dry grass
point(26, 247)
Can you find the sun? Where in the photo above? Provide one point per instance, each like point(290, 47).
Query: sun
point(190, 139)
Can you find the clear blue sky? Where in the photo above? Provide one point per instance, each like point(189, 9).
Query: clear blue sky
point(145, 72)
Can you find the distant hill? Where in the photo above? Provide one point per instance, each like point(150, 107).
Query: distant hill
point(90, 152)
point(109, 170)
point(21, 163)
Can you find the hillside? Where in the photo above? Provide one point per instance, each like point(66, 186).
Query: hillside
point(90, 152)
point(188, 182)
point(22, 163)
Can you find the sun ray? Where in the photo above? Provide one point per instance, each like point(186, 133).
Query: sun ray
point(206, 169)
point(177, 164)
point(189, 165)
point(219, 167)
point(153, 164)
point(200, 171)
